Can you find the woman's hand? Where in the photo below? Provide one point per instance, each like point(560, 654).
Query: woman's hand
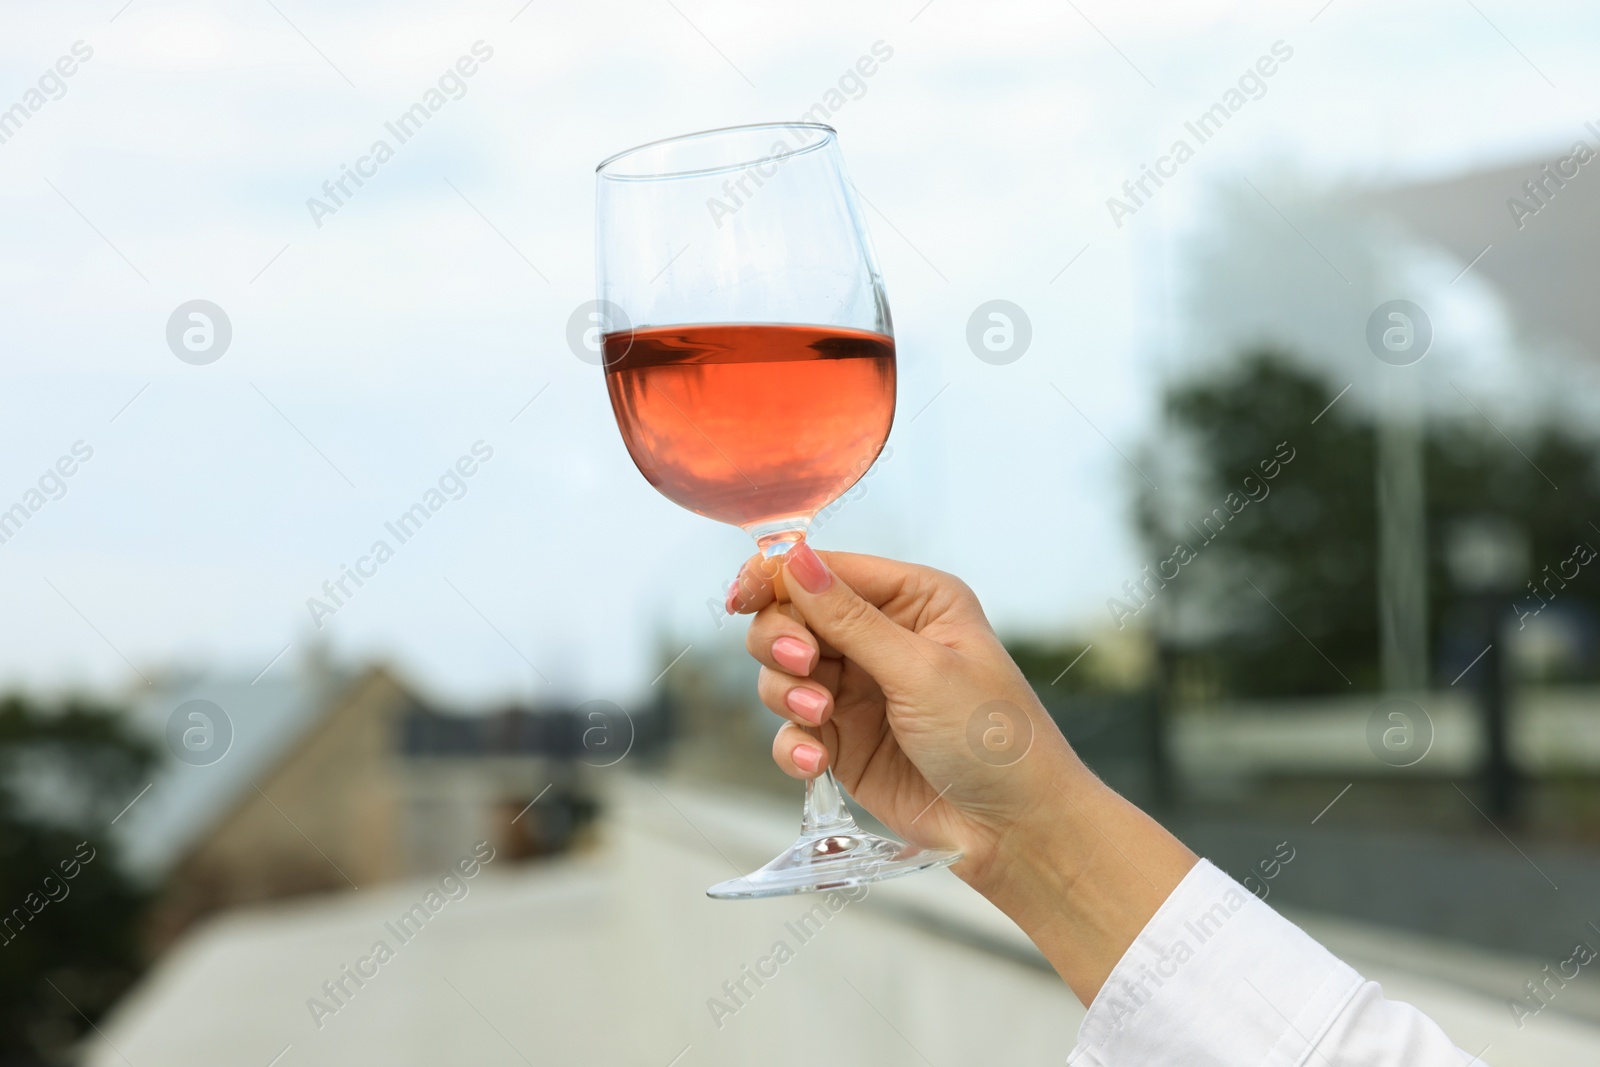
point(890, 673)
point(903, 688)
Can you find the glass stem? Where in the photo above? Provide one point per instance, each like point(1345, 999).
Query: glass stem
point(825, 811)
point(777, 537)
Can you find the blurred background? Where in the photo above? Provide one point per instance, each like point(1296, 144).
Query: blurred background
point(1248, 364)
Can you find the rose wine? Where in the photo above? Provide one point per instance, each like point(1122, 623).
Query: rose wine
point(752, 424)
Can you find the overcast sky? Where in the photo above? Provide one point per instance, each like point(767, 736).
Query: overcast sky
point(371, 352)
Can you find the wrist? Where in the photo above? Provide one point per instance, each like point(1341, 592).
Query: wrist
point(1080, 870)
point(1036, 845)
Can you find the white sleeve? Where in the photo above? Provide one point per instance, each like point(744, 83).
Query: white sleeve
point(1219, 979)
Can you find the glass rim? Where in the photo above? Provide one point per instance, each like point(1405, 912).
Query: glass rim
point(829, 134)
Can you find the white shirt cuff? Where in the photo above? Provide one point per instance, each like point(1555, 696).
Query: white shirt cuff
point(1215, 978)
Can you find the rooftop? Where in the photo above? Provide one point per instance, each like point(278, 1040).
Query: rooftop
point(617, 957)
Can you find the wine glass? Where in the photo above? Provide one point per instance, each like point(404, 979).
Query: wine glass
point(750, 360)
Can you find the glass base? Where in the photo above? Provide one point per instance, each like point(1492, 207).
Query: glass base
point(832, 852)
point(817, 862)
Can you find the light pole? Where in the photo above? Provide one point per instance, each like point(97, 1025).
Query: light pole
point(1488, 557)
point(1402, 534)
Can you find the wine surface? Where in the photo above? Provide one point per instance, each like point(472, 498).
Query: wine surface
point(752, 423)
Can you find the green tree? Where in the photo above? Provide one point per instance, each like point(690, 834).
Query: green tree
point(1303, 557)
point(68, 914)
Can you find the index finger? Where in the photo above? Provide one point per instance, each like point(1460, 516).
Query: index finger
point(875, 579)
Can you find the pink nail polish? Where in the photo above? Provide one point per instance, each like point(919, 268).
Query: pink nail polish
point(807, 568)
point(793, 655)
point(732, 604)
point(806, 703)
point(808, 758)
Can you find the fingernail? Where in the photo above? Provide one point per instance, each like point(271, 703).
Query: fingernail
point(808, 758)
point(793, 655)
point(807, 568)
point(806, 703)
point(732, 603)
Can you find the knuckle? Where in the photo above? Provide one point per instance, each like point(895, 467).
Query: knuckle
point(953, 586)
point(784, 740)
point(766, 627)
point(854, 614)
point(950, 592)
point(769, 687)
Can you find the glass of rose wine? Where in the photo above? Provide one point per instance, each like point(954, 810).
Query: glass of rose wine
point(750, 359)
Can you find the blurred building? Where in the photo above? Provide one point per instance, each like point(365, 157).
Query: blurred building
point(329, 781)
point(1528, 228)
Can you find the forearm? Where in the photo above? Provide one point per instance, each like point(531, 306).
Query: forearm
point(1217, 979)
point(1083, 871)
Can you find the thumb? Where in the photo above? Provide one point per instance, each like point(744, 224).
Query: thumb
point(840, 616)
